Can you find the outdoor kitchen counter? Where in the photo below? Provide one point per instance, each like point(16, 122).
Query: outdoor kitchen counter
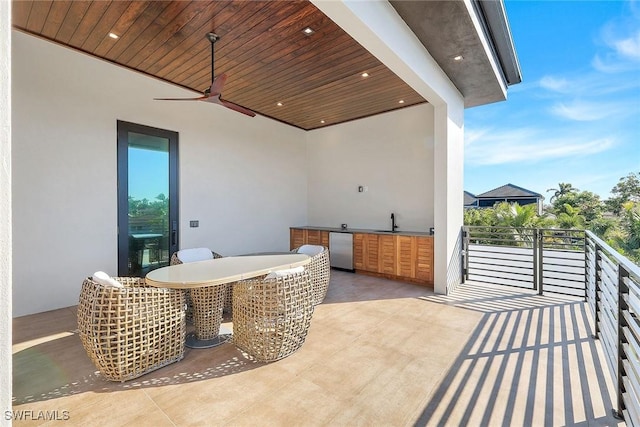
point(364, 230)
point(401, 255)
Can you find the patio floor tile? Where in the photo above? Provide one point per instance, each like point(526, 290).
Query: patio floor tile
point(378, 352)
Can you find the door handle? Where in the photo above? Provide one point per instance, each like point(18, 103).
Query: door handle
point(174, 232)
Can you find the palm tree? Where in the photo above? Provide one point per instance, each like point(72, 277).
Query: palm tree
point(562, 190)
point(519, 218)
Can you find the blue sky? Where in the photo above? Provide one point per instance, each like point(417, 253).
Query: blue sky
point(576, 115)
point(148, 173)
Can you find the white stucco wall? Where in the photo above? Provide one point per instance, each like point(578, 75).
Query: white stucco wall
point(243, 178)
point(389, 154)
point(380, 30)
point(448, 194)
point(5, 211)
point(246, 180)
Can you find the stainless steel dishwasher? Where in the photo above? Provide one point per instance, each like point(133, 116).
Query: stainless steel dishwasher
point(341, 250)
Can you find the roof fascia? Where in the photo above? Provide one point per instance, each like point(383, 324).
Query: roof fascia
point(494, 16)
point(485, 28)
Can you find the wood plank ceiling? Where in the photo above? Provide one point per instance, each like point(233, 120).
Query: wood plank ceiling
point(262, 48)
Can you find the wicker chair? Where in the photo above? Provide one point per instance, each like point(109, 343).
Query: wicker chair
point(175, 259)
point(271, 316)
point(320, 271)
point(131, 330)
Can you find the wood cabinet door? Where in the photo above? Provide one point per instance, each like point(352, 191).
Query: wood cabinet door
point(297, 237)
point(387, 263)
point(325, 239)
point(359, 251)
point(406, 253)
point(424, 259)
point(314, 237)
point(371, 253)
point(318, 237)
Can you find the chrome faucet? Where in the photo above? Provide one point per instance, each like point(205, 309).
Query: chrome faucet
point(393, 222)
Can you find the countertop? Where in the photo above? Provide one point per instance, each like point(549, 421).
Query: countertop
point(365, 230)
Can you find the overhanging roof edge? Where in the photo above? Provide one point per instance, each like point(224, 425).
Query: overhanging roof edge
point(493, 15)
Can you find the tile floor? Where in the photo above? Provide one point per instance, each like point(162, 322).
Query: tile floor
point(378, 353)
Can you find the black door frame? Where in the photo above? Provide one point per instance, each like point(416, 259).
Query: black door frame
point(123, 129)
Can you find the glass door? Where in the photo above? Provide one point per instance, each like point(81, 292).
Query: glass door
point(147, 198)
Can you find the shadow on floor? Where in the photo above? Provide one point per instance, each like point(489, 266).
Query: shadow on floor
point(530, 361)
point(60, 367)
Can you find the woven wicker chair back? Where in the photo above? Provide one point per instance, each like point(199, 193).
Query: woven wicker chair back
point(320, 275)
point(132, 330)
point(271, 317)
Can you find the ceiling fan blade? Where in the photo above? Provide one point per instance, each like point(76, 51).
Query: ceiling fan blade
point(200, 98)
point(212, 94)
point(231, 105)
point(217, 85)
point(236, 107)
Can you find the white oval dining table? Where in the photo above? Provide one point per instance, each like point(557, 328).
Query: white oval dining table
point(207, 281)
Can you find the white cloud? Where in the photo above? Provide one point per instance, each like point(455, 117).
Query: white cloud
point(621, 38)
point(609, 64)
point(582, 111)
point(591, 84)
point(526, 146)
point(554, 84)
point(629, 47)
point(472, 135)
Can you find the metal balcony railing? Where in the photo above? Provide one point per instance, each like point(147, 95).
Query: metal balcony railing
point(613, 293)
point(546, 260)
point(576, 263)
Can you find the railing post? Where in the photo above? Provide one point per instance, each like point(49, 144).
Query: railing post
point(535, 258)
point(465, 253)
point(584, 251)
point(623, 290)
point(597, 272)
point(538, 254)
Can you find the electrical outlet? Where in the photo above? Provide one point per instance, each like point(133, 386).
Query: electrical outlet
point(194, 224)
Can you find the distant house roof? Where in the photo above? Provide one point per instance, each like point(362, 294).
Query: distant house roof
point(508, 191)
point(470, 199)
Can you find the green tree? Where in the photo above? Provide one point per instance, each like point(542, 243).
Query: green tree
point(603, 226)
point(562, 190)
point(570, 217)
point(626, 190)
point(520, 218)
point(570, 208)
point(588, 203)
point(627, 241)
point(149, 214)
point(478, 217)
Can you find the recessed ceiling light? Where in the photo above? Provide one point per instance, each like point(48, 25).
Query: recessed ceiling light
point(458, 58)
point(322, 121)
point(114, 36)
point(364, 74)
point(401, 101)
point(279, 104)
point(308, 31)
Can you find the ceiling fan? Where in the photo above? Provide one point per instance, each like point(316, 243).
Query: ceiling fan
point(213, 93)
